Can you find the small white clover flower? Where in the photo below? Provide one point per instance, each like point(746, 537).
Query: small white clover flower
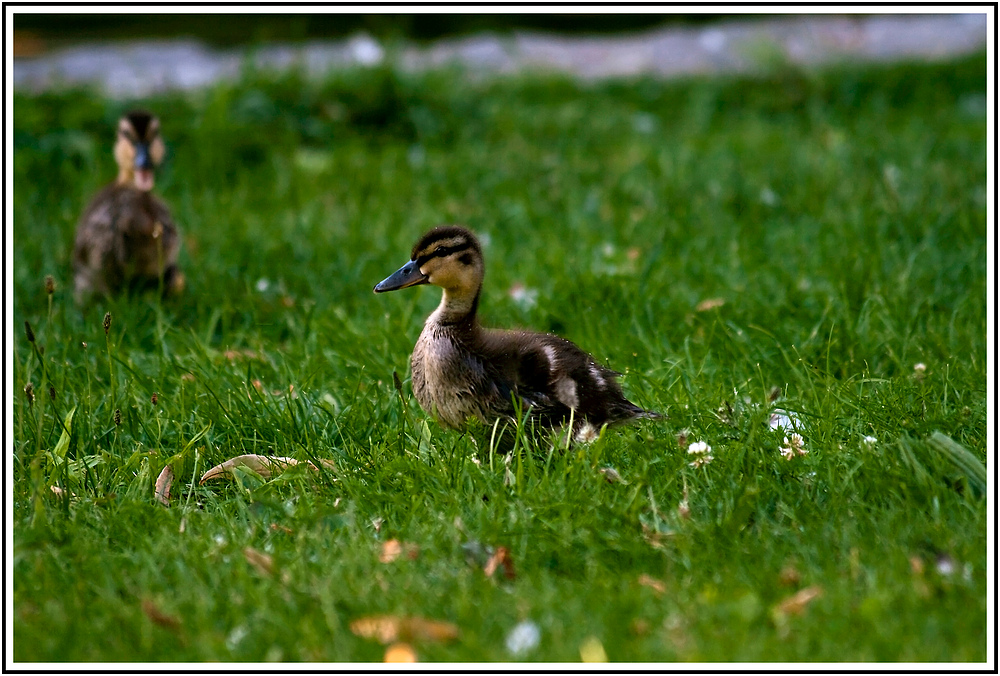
point(793, 445)
point(701, 460)
point(523, 638)
point(522, 295)
point(699, 448)
point(869, 440)
point(919, 368)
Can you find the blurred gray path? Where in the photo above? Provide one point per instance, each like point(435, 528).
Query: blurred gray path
point(135, 69)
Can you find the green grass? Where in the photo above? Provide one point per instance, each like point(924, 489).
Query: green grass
point(839, 215)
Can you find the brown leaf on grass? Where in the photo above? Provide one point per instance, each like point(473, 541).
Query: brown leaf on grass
point(163, 483)
point(60, 492)
point(652, 583)
point(262, 563)
point(391, 628)
point(261, 464)
point(501, 557)
point(157, 616)
point(797, 602)
point(393, 549)
point(264, 465)
point(709, 304)
point(400, 652)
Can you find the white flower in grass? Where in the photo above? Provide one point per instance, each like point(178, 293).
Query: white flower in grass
point(699, 448)
point(793, 445)
point(522, 295)
point(920, 368)
point(523, 638)
point(701, 460)
point(869, 441)
point(703, 452)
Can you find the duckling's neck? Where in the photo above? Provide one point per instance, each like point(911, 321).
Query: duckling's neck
point(456, 307)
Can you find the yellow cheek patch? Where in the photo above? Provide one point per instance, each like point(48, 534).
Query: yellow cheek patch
point(156, 151)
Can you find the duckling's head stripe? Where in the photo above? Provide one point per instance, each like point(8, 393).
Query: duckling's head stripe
point(142, 122)
point(445, 241)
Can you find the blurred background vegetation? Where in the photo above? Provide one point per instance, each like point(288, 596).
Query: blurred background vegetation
point(239, 29)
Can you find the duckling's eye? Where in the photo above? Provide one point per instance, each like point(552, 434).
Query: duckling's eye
point(438, 251)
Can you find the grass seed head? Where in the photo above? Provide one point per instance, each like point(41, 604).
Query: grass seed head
point(52, 393)
point(50, 285)
point(682, 438)
point(107, 322)
point(118, 416)
point(29, 392)
point(154, 398)
point(28, 332)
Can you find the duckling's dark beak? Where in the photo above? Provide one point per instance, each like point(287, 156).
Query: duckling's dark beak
point(143, 160)
point(408, 275)
point(143, 167)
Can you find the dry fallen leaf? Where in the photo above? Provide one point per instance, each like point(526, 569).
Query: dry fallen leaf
point(391, 628)
point(159, 617)
point(652, 583)
point(163, 482)
point(263, 563)
point(264, 465)
point(797, 602)
point(400, 652)
point(709, 304)
point(501, 557)
point(393, 549)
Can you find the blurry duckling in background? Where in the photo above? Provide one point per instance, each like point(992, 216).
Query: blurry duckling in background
point(461, 370)
point(126, 238)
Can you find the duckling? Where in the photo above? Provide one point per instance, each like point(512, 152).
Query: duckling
point(461, 370)
point(126, 237)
